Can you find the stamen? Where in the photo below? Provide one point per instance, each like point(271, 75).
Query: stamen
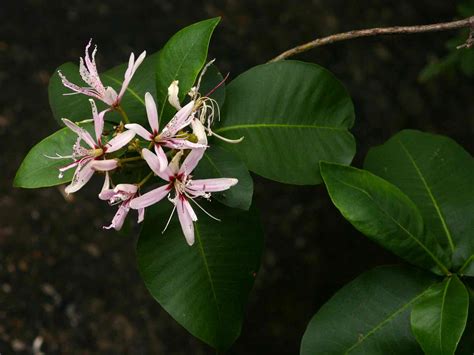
point(169, 219)
point(228, 140)
point(197, 204)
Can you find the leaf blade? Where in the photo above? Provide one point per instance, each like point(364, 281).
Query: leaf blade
point(314, 116)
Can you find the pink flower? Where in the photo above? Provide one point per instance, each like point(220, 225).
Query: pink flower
point(122, 194)
point(168, 136)
point(96, 89)
point(179, 179)
point(91, 159)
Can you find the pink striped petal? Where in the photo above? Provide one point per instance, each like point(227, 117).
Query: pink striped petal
point(104, 165)
point(212, 185)
point(81, 132)
point(151, 113)
point(119, 141)
point(150, 198)
point(110, 96)
point(186, 220)
point(160, 153)
point(77, 89)
point(155, 165)
point(132, 67)
point(81, 176)
point(98, 120)
point(138, 129)
point(182, 119)
point(178, 143)
point(119, 218)
point(191, 161)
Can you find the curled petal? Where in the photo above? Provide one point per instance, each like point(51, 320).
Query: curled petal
point(151, 113)
point(186, 219)
point(126, 188)
point(173, 91)
point(138, 129)
point(81, 176)
point(141, 215)
point(104, 165)
point(110, 96)
point(98, 120)
point(106, 192)
point(150, 198)
point(81, 132)
point(119, 141)
point(119, 218)
point(181, 119)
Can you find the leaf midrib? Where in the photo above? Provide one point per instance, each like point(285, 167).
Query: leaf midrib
point(134, 94)
point(443, 299)
point(425, 248)
point(277, 125)
point(386, 320)
point(208, 271)
point(430, 194)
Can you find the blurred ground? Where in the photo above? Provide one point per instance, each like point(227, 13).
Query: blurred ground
point(65, 281)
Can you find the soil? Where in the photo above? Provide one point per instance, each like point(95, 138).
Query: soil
point(72, 288)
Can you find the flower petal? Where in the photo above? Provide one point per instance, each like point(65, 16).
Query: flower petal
point(98, 120)
point(186, 220)
point(211, 185)
point(141, 215)
point(104, 165)
point(192, 160)
point(132, 67)
point(119, 141)
point(151, 113)
point(173, 91)
point(155, 164)
point(150, 198)
point(160, 153)
point(126, 188)
point(138, 129)
point(119, 218)
point(81, 176)
point(181, 119)
point(179, 143)
point(81, 132)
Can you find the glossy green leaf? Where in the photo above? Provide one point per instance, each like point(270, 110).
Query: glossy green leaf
point(219, 162)
point(76, 107)
point(370, 315)
point(437, 174)
point(384, 214)
point(182, 58)
point(37, 170)
point(292, 115)
point(439, 317)
point(205, 286)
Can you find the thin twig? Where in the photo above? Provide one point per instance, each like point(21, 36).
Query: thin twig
point(466, 23)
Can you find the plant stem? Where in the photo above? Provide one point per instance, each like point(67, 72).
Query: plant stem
point(127, 160)
point(446, 26)
point(145, 179)
point(123, 113)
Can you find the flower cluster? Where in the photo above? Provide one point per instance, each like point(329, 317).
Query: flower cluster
point(170, 154)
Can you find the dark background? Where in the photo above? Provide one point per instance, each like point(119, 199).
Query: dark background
point(66, 281)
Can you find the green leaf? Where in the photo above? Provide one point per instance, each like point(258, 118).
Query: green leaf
point(384, 214)
point(182, 58)
point(439, 317)
point(370, 315)
point(77, 107)
point(205, 286)
point(292, 115)
point(37, 170)
point(219, 162)
point(437, 174)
